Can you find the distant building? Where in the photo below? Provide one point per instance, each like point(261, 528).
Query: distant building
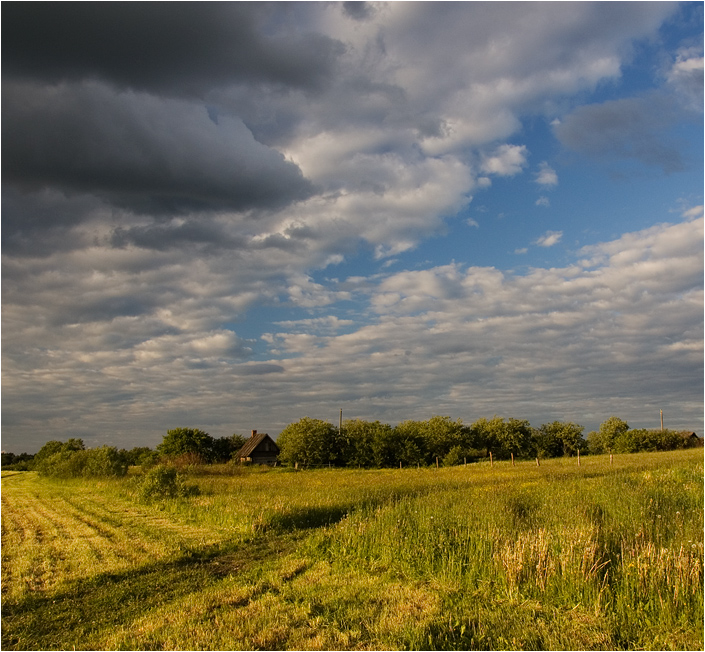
point(259, 449)
point(693, 440)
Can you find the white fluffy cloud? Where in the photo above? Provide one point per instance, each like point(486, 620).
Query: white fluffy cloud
point(546, 175)
point(549, 238)
point(568, 343)
point(506, 161)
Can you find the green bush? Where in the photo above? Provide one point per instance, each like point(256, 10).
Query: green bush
point(105, 461)
point(164, 482)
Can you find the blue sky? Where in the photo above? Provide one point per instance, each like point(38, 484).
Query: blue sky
point(251, 213)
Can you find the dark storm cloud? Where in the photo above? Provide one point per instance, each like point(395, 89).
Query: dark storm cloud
point(139, 152)
point(163, 237)
point(36, 223)
point(182, 48)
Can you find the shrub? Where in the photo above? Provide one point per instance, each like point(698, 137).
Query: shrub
point(164, 482)
point(105, 461)
point(455, 456)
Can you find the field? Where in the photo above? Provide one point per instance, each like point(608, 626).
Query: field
point(561, 556)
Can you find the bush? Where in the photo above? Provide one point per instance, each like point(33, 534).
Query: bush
point(455, 456)
point(164, 482)
point(105, 461)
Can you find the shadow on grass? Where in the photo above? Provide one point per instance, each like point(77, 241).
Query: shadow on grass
point(305, 518)
point(85, 611)
point(312, 517)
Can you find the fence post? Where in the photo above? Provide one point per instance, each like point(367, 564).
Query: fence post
point(491, 462)
point(512, 454)
point(578, 457)
point(537, 462)
point(436, 462)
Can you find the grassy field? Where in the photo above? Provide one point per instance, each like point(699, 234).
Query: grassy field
point(600, 556)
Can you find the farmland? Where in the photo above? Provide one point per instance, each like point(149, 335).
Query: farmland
point(597, 556)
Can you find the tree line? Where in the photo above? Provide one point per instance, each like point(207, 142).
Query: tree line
point(358, 443)
point(72, 459)
point(441, 440)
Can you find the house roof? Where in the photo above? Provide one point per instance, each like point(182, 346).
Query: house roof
point(253, 442)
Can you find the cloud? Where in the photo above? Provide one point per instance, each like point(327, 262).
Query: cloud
point(183, 50)
point(631, 128)
point(176, 176)
point(566, 341)
point(139, 152)
point(685, 78)
point(506, 161)
point(358, 10)
point(543, 201)
point(547, 175)
point(549, 238)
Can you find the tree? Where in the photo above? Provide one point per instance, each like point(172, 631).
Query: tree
point(503, 438)
point(310, 442)
point(52, 447)
point(386, 446)
point(225, 447)
point(410, 444)
point(359, 437)
point(139, 455)
point(558, 438)
point(441, 434)
point(184, 441)
point(485, 433)
point(515, 438)
point(611, 430)
point(21, 462)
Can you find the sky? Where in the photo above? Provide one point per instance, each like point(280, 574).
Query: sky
point(230, 216)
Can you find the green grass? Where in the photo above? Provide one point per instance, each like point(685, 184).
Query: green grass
point(601, 556)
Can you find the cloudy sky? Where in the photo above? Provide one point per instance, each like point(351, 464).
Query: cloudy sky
point(231, 216)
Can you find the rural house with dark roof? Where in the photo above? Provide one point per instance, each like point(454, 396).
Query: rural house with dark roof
point(259, 449)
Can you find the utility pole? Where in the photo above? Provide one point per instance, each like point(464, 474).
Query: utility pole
point(340, 423)
point(661, 420)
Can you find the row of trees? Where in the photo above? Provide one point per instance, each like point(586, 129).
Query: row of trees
point(72, 459)
point(312, 442)
point(616, 436)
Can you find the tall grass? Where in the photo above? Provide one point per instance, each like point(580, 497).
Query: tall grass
point(597, 556)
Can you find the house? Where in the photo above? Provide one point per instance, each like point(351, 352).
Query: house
point(693, 440)
point(259, 449)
